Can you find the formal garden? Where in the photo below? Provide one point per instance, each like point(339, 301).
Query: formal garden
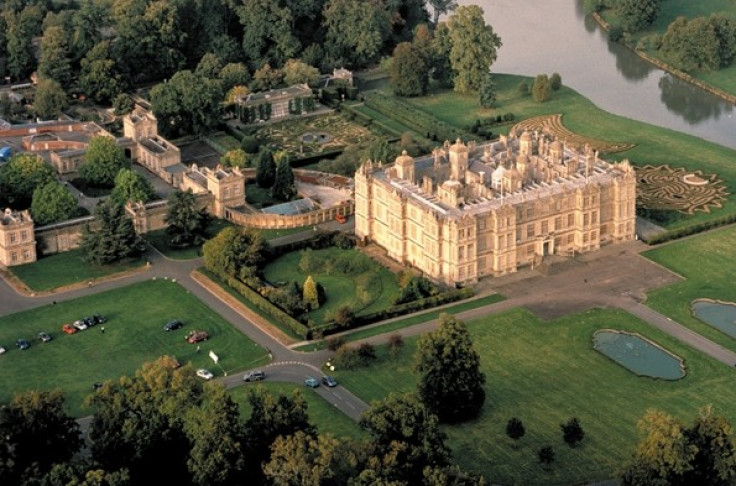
point(132, 335)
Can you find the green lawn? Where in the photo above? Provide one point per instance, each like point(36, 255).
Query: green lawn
point(369, 288)
point(389, 122)
point(545, 373)
point(133, 335)
point(708, 264)
point(653, 145)
point(66, 268)
point(322, 414)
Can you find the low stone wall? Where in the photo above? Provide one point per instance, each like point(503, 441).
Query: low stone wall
point(32, 146)
point(279, 221)
point(63, 236)
point(36, 129)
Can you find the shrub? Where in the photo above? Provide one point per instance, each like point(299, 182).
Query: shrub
point(615, 33)
point(508, 117)
point(250, 144)
point(366, 353)
point(555, 82)
point(395, 343)
point(523, 88)
point(546, 455)
point(335, 343)
point(350, 358)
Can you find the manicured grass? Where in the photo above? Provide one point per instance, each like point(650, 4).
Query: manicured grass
point(389, 122)
point(66, 268)
point(228, 142)
point(545, 373)
point(377, 285)
point(159, 240)
point(322, 414)
point(707, 263)
point(653, 145)
point(133, 335)
point(409, 321)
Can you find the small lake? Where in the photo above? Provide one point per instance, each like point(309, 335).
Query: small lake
point(638, 355)
point(721, 315)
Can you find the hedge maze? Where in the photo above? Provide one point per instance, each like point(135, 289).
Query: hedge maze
point(667, 188)
point(552, 124)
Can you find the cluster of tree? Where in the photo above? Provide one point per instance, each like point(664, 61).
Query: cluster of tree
point(164, 426)
point(670, 452)
point(707, 43)
point(237, 252)
point(276, 173)
point(20, 177)
point(542, 87)
point(413, 287)
point(458, 52)
point(294, 299)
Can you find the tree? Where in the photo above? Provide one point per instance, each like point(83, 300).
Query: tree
point(235, 158)
point(699, 43)
point(441, 48)
point(474, 47)
point(298, 72)
point(187, 224)
point(540, 88)
point(523, 88)
point(265, 169)
point(234, 74)
point(637, 14)
point(22, 174)
point(671, 453)
point(409, 70)
point(102, 162)
point(572, 432)
point(50, 99)
point(55, 63)
point(451, 383)
point(405, 438)
point(131, 186)
point(515, 429)
point(100, 77)
point(451, 476)
point(546, 455)
point(267, 32)
point(209, 66)
point(236, 252)
point(310, 294)
point(123, 104)
point(440, 7)
point(487, 91)
point(51, 203)
point(355, 30)
point(266, 78)
point(555, 82)
point(21, 27)
point(284, 184)
point(35, 433)
point(114, 237)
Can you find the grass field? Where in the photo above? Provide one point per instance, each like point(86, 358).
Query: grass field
point(133, 335)
point(708, 264)
point(653, 145)
point(369, 288)
point(66, 268)
point(321, 413)
point(545, 373)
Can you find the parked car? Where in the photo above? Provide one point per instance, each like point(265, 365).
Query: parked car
point(68, 329)
point(205, 374)
point(329, 381)
point(44, 337)
point(254, 376)
point(341, 218)
point(98, 319)
point(80, 325)
point(197, 336)
point(2, 350)
point(22, 344)
point(311, 382)
point(172, 325)
point(89, 321)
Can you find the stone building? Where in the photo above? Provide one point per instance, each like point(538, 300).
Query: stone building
point(150, 150)
point(227, 187)
point(468, 211)
point(17, 240)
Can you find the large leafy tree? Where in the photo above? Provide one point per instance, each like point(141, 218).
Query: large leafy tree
point(21, 176)
point(265, 169)
point(700, 43)
point(355, 31)
point(113, 238)
point(101, 77)
point(451, 383)
point(102, 162)
point(187, 104)
point(284, 185)
point(474, 47)
point(87, 24)
point(298, 72)
point(21, 28)
point(405, 438)
point(267, 32)
point(409, 70)
point(671, 453)
point(35, 433)
point(131, 186)
point(138, 423)
point(440, 7)
point(234, 74)
point(487, 91)
point(52, 202)
point(50, 99)
point(235, 251)
point(187, 223)
point(55, 62)
point(541, 88)
point(637, 14)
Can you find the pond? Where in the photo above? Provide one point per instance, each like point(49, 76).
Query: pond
point(639, 355)
point(721, 315)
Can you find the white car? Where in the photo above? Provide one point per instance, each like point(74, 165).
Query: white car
point(205, 374)
point(79, 324)
point(2, 350)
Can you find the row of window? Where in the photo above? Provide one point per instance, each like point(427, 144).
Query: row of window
point(13, 236)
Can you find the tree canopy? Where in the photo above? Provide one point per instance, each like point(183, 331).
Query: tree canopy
point(474, 47)
point(102, 162)
point(112, 238)
point(52, 202)
point(23, 173)
point(284, 184)
point(187, 224)
point(409, 70)
point(50, 99)
point(637, 14)
point(131, 186)
point(237, 252)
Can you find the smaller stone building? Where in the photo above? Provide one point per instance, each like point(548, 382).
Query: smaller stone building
point(227, 187)
point(17, 240)
point(281, 101)
point(150, 150)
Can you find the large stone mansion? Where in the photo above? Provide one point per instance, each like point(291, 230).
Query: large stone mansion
point(468, 211)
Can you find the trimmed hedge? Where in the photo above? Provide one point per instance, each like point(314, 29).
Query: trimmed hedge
point(311, 159)
point(394, 311)
point(691, 230)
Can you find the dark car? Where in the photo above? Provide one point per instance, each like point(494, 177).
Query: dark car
point(22, 344)
point(197, 336)
point(89, 321)
point(172, 325)
point(329, 381)
point(98, 319)
point(254, 376)
point(44, 337)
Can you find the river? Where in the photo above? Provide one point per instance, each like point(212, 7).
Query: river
point(547, 36)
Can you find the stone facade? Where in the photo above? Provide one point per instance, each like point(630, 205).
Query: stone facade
point(150, 150)
point(227, 187)
point(17, 240)
point(467, 211)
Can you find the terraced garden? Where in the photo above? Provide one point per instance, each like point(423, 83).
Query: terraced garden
point(553, 125)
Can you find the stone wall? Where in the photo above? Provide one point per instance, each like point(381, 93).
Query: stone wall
point(278, 221)
point(63, 236)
